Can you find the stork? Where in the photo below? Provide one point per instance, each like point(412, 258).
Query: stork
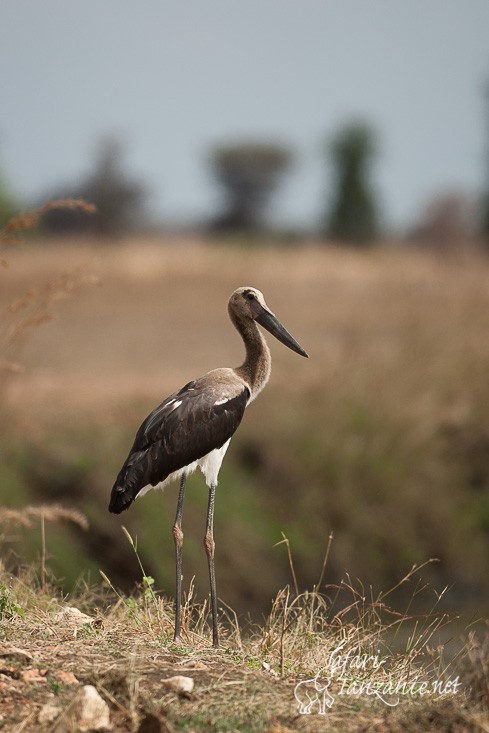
point(193, 427)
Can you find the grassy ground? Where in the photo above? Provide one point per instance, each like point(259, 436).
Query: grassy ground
point(123, 647)
point(381, 437)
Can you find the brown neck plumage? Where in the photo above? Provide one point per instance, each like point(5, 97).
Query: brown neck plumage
point(257, 365)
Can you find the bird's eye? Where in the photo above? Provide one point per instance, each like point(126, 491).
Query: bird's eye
point(250, 296)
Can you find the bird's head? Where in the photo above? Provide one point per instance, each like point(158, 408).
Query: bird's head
point(249, 303)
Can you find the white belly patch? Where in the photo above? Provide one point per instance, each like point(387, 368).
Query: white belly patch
point(209, 464)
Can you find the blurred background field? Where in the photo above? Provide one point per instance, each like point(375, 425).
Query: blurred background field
point(381, 437)
point(336, 157)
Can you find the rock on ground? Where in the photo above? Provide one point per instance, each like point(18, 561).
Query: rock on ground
point(92, 711)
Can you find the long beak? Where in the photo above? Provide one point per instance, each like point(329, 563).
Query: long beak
point(269, 321)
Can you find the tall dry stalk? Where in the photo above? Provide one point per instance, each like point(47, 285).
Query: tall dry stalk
point(31, 309)
point(31, 219)
point(35, 306)
point(54, 513)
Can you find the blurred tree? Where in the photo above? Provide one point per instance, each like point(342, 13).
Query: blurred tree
point(485, 197)
point(249, 174)
point(119, 200)
point(485, 218)
point(353, 216)
point(8, 207)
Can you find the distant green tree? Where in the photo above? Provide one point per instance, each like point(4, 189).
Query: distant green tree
point(485, 218)
point(248, 174)
point(353, 215)
point(8, 207)
point(485, 197)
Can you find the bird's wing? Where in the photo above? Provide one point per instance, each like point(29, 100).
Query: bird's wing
point(190, 423)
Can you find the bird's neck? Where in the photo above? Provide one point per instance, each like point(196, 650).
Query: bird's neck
point(257, 365)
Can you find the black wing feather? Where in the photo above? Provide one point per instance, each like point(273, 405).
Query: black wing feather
point(172, 437)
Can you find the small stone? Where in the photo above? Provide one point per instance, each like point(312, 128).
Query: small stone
point(196, 664)
point(92, 711)
point(267, 668)
point(8, 650)
point(180, 684)
point(66, 678)
point(32, 676)
point(48, 713)
point(73, 617)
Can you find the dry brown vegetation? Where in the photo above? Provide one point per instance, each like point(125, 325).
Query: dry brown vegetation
point(382, 436)
point(122, 646)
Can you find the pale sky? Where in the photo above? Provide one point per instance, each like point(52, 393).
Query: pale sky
point(174, 78)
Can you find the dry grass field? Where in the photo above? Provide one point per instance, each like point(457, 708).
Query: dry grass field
point(120, 648)
point(381, 437)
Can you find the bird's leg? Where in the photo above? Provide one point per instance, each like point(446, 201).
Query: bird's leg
point(209, 549)
point(178, 540)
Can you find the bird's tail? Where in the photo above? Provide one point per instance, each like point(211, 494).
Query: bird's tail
point(120, 499)
point(127, 486)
